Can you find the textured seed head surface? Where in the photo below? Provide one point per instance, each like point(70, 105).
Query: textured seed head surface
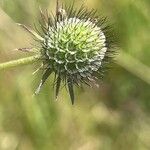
point(75, 46)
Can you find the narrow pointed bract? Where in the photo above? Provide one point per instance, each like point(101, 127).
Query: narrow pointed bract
point(44, 78)
point(33, 33)
point(58, 82)
point(70, 88)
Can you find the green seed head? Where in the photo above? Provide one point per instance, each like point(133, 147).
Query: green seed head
point(75, 47)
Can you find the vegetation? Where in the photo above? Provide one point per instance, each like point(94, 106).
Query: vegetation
point(114, 116)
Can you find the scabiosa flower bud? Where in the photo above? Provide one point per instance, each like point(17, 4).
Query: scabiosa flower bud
point(74, 46)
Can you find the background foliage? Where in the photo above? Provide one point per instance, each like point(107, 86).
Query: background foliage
point(113, 117)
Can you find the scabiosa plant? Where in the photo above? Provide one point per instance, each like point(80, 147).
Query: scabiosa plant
point(75, 45)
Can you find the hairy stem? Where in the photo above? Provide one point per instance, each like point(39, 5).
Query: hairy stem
point(19, 62)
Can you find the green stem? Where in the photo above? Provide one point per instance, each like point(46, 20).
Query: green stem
point(19, 62)
point(134, 66)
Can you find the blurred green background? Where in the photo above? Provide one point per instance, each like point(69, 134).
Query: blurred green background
point(115, 116)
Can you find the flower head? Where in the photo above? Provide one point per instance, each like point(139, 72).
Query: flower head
point(74, 46)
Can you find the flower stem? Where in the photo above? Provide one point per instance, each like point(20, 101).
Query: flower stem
point(19, 62)
point(134, 66)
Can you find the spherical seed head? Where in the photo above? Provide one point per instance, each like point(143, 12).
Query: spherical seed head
point(75, 47)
